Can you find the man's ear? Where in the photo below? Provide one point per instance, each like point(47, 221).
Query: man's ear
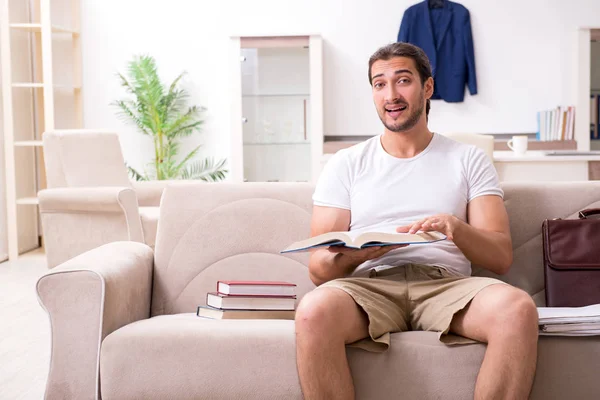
point(428, 88)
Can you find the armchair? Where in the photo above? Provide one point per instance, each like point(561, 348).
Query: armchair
point(90, 200)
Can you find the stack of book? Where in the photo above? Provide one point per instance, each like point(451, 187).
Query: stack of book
point(570, 321)
point(557, 124)
point(250, 300)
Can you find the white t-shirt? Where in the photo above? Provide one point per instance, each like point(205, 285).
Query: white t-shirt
point(384, 192)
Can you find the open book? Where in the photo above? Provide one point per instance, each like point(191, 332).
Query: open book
point(363, 240)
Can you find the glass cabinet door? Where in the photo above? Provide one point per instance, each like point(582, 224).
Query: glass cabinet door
point(276, 114)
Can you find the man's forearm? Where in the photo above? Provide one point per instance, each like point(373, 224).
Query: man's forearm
point(325, 266)
point(488, 249)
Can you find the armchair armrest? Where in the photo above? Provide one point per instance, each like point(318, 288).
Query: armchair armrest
point(86, 299)
point(106, 199)
point(149, 193)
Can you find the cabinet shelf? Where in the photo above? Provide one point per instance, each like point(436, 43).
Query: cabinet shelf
point(38, 28)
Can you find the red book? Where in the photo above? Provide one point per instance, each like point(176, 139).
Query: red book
point(257, 288)
point(226, 302)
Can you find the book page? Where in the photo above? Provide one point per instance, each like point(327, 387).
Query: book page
point(325, 238)
point(398, 238)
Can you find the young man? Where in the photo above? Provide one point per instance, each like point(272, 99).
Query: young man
point(410, 179)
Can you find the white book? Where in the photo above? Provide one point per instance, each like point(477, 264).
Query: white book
point(575, 333)
point(574, 327)
point(557, 315)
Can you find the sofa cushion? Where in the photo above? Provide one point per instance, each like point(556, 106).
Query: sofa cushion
point(149, 217)
point(186, 357)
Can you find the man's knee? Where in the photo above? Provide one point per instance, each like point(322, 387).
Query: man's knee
point(515, 313)
point(326, 312)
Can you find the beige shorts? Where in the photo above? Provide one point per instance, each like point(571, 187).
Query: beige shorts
point(410, 297)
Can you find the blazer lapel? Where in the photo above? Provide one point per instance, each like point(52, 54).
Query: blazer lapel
point(432, 44)
point(444, 24)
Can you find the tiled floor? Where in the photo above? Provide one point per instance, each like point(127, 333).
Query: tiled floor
point(24, 330)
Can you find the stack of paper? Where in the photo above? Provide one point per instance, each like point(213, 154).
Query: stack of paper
point(570, 321)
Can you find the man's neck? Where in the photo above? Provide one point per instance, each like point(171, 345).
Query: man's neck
point(406, 144)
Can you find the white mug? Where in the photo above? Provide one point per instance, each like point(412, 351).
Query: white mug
point(518, 144)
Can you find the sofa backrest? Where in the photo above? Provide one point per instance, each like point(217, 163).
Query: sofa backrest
point(226, 231)
point(76, 158)
point(482, 141)
point(528, 204)
point(212, 231)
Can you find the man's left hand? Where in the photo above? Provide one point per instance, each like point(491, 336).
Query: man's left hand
point(444, 223)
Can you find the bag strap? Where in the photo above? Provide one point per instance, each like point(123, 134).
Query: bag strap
point(583, 214)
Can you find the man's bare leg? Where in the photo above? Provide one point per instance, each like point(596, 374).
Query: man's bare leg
point(326, 320)
point(506, 319)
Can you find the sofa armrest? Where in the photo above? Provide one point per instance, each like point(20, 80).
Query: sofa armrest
point(95, 199)
point(149, 193)
point(86, 299)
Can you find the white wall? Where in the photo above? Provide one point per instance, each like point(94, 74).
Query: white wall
point(525, 57)
point(3, 231)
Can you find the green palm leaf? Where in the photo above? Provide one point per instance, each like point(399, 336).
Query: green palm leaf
point(163, 113)
point(187, 158)
point(133, 173)
point(128, 115)
point(206, 170)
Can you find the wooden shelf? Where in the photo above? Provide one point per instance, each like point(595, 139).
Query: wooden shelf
point(277, 95)
point(27, 85)
point(23, 231)
point(29, 143)
point(28, 201)
point(38, 28)
point(32, 85)
point(274, 143)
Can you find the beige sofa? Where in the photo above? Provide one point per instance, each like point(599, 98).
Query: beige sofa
point(90, 200)
point(123, 322)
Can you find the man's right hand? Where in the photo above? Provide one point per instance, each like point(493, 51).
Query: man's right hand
point(354, 257)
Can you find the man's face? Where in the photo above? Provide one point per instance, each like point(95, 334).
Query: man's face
point(397, 92)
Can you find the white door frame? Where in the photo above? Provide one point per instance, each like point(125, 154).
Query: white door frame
point(583, 87)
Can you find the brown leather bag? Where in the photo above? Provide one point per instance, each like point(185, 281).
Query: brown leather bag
point(572, 260)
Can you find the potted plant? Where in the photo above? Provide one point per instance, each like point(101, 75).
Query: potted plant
point(161, 113)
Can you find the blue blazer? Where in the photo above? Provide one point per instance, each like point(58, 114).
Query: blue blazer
point(445, 36)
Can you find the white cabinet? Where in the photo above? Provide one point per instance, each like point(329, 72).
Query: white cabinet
point(276, 108)
point(536, 166)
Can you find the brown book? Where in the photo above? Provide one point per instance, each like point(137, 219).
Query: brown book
point(214, 313)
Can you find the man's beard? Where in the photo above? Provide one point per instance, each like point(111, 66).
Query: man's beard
point(410, 122)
